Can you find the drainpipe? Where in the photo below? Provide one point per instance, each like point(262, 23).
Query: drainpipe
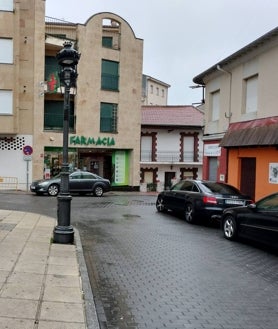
point(229, 115)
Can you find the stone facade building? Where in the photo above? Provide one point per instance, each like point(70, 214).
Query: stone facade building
point(105, 110)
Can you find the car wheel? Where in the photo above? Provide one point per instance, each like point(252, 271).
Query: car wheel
point(98, 191)
point(190, 213)
point(160, 205)
point(53, 190)
point(229, 227)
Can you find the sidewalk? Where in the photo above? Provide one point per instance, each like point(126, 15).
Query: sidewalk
point(42, 285)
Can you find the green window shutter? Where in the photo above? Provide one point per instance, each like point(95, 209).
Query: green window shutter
point(108, 117)
point(109, 75)
point(107, 42)
point(54, 115)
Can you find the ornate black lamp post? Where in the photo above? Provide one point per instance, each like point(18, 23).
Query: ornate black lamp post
point(67, 59)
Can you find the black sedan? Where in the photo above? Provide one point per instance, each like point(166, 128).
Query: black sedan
point(257, 221)
point(199, 199)
point(81, 182)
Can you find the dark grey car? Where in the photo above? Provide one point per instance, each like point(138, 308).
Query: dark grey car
point(200, 199)
point(81, 182)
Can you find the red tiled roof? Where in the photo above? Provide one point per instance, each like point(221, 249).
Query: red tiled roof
point(186, 115)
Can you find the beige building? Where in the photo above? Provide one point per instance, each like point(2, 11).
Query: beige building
point(154, 92)
point(21, 84)
point(240, 137)
point(105, 106)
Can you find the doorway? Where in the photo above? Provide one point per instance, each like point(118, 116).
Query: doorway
point(168, 179)
point(248, 176)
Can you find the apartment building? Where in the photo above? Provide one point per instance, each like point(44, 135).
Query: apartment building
point(171, 145)
point(240, 136)
point(105, 105)
point(154, 91)
point(21, 84)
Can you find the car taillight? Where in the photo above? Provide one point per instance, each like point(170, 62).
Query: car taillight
point(209, 199)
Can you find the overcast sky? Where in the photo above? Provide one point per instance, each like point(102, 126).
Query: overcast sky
point(182, 38)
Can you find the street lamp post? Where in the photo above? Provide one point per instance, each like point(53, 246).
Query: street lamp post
point(67, 59)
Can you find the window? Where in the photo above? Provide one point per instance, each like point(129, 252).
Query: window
point(151, 87)
point(251, 94)
point(6, 102)
point(107, 42)
point(146, 148)
point(157, 91)
point(6, 53)
point(108, 117)
point(54, 115)
point(6, 5)
point(215, 105)
point(188, 148)
point(51, 74)
point(109, 75)
point(162, 91)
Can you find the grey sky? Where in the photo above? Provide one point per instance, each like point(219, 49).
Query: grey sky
point(182, 38)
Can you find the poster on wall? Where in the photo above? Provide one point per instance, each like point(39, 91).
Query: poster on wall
point(120, 164)
point(273, 173)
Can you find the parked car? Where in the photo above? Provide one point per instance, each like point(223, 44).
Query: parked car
point(81, 182)
point(200, 199)
point(257, 221)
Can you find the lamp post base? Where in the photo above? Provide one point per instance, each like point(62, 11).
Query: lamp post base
point(63, 232)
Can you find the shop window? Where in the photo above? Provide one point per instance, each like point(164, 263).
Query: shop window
point(6, 102)
point(6, 53)
point(108, 117)
point(109, 75)
point(54, 115)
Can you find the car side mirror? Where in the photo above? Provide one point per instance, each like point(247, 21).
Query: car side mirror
point(252, 206)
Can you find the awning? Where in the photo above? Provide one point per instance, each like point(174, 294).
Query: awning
point(259, 132)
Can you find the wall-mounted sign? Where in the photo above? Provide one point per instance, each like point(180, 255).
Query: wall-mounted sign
point(212, 150)
point(120, 161)
point(273, 173)
point(99, 141)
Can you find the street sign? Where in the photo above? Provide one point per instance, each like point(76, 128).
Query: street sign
point(27, 150)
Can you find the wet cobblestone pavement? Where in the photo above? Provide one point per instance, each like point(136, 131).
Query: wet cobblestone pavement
point(152, 270)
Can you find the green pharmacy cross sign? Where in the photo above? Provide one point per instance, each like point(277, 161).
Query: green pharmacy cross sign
point(99, 141)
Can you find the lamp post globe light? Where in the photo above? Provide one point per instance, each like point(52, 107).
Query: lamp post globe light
point(67, 59)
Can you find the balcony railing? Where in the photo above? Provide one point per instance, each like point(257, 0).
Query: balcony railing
point(170, 157)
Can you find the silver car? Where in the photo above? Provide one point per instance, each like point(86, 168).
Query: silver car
point(82, 182)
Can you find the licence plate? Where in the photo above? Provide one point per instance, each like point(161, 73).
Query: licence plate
point(235, 202)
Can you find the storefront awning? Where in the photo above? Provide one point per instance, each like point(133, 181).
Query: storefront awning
point(260, 132)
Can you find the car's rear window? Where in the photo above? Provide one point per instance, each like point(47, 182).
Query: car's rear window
point(220, 188)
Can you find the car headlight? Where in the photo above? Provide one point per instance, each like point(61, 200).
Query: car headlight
point(43, 183)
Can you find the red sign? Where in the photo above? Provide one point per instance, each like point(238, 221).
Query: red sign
point(27, 150)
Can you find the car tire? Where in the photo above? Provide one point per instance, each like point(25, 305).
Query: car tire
point(98, 191)
point(189, 213)
point(160, 206)
point(53, 190)
point(229, 228)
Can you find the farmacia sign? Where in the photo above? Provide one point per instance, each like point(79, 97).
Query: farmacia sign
point(99, 141)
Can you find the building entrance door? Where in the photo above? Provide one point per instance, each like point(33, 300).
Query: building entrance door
point(168, 177)
point(248, 176)
point(212, 166)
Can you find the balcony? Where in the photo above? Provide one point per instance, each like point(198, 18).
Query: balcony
point(170, 157)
